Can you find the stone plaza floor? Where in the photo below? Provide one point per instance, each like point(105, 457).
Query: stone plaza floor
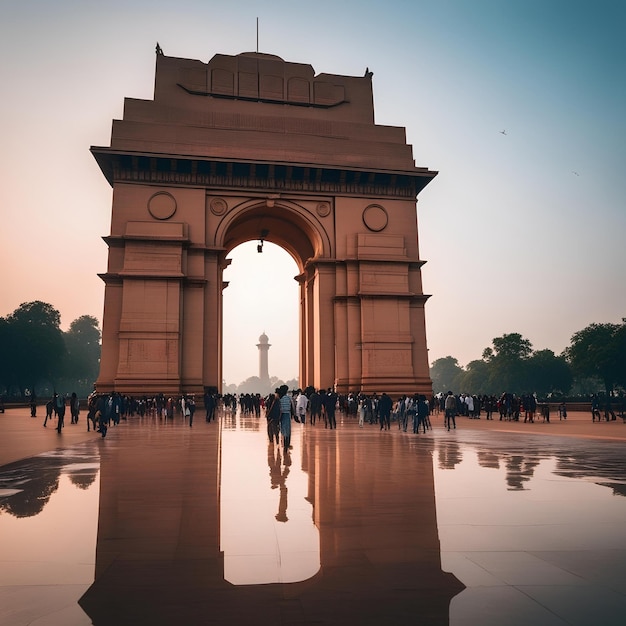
point(499, 523)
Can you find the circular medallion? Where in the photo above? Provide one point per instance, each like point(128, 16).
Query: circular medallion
point(375, 217)
point(162, 205)
point(218, 206)
point(323, 209)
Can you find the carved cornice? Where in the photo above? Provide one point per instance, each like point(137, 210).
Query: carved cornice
point(168, 170)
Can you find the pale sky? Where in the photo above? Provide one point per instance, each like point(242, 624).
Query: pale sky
point(522, 232)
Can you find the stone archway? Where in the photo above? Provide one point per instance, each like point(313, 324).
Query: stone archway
point(297, 228)
point(252, 147)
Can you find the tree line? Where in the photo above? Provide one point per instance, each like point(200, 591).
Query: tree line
point(37, 357)
point(595, 361)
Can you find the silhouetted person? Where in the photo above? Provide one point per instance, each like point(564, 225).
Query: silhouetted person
point(209, 405)
point(191, 407)
point(608, 409)
point(595, 408)
point(329, 403)
point(384, 411)
point(450, 408)
point(74, 408)
point(49, 409)
point(286, 410)
point(315, 406)
point(60, 407)
point(421, 414)
point(272, 414)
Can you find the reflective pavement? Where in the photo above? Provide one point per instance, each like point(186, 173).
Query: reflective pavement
point(160, 523)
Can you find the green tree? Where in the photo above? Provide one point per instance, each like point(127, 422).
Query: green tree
point(6, 349)
point(508, 363)
point(476, 378)
point(599, 350)
point(446, 374)
point(33, 345)
point(548, 373)
point(620, 339)
point(512, 346)
point(82, 360)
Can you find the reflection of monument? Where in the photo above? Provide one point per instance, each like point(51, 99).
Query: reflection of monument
point(158, 558)
point(264, 347)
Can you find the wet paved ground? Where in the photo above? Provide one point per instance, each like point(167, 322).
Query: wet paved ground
point(494, 523)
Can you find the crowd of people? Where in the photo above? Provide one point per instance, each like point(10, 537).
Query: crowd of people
point(314, 406)
point(108, 409)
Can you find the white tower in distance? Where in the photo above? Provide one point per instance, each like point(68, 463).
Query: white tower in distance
point(263, 347)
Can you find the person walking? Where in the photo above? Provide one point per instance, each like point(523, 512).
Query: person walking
point(450, 408)
point(302, 403)
point(286, 411)
point(191, 408)
point(49, 409)
point(315, 406)
point(74, 408)
point(384, 411)
point(209, 404)
point(329, 403)
point(421, 414)
point(272, 414)
point(361, 411)
point(60, 406)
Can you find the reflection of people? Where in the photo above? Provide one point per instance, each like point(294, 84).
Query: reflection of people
point(281, 516)
point(273, 462)
point(278, 478)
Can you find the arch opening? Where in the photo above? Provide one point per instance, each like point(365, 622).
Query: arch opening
point(261, 297)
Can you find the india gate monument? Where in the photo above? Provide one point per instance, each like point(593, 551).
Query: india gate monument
point(252, 147)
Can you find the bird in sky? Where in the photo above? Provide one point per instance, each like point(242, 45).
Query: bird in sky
point(503, 132)
point(575, 173)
